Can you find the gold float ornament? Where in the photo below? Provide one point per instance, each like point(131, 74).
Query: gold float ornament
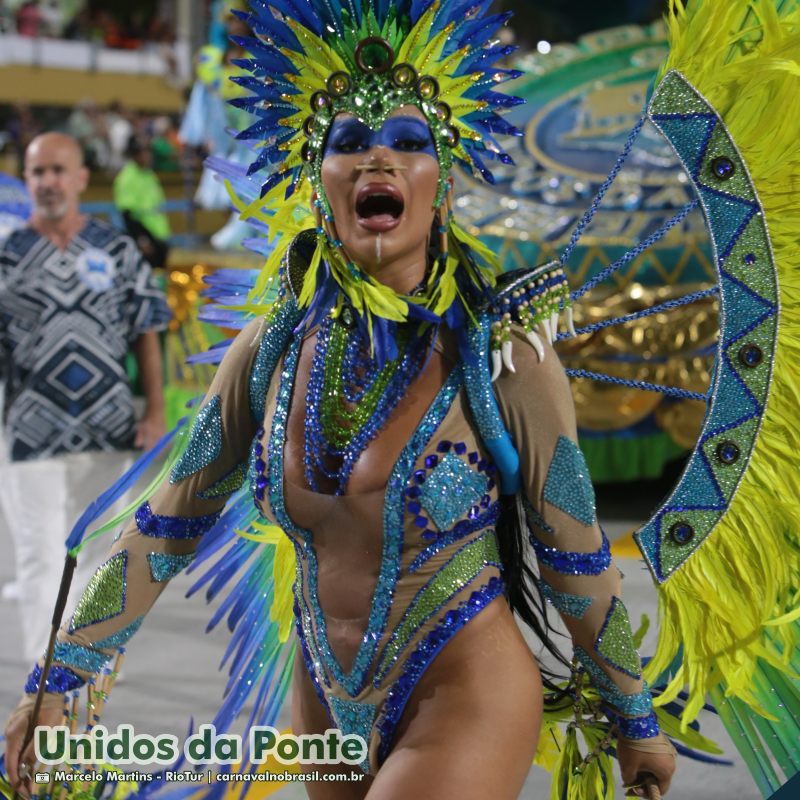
point(667, 349)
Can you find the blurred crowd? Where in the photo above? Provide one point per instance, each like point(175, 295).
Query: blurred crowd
point(119, 25)
point(103, 133)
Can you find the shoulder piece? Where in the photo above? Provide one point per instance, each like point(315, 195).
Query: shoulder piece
point(532, 298)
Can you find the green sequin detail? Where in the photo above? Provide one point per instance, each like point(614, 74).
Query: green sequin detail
point(461, 570)
point(104, 597)
point(615, 642)
point(226, 485)
point(205, 441)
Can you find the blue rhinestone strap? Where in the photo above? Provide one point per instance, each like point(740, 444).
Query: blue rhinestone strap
point(416, 664)
point(279, 328)
point(311, 668)
point(535, 518)
point(205, 441)
point(59, 680)
point(645, 386)
point(568, 563)
point(636, 727)
point(165, 527)
point(592, 210)
point(635, 252)
point(483, 404)
point(668, 305)
point(354, 718)
point(394, 509)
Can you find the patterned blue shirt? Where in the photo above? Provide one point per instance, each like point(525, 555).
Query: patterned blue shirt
point(67, 320)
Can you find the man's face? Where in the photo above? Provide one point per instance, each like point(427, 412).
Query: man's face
point(55, 175)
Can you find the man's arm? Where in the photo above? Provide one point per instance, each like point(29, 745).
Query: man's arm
point(152, 427)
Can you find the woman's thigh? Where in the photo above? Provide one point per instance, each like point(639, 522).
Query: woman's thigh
point(472, 724)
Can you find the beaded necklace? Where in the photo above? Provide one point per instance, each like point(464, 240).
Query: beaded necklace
point(349, 397)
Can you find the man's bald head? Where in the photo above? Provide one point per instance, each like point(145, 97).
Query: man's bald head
point(55, 175)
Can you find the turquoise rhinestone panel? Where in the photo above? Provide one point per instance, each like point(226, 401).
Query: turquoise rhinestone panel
point(568, 486)
point(121, 637)
point(165, 566)
point(205, 441)
point(74, 655)
point(615, 642)
point(278, 329)
point(749, 310)
point(451, 490)
point(354, 719)
point(104, 596)
point(572, 604)
point(630, 704)
point(226, 485)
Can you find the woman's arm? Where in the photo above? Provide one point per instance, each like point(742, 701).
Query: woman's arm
point(577, 574)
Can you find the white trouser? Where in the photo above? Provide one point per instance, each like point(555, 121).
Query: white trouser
point(41, 501)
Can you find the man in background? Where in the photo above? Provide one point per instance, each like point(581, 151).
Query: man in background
point(75, 297)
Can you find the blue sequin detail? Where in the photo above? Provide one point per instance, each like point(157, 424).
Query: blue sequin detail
point(273, 342)
point(572, 604)
point(569, 563)
point(483, 404)
point(568, 486)
point(535, 518)
point(460, 530)
point(164, 566)
point(451, 489)
point(164, 527)
point(416, 664)
point(74, 655)
point(313, 667)
point(629, 704)
point(636, 727)
point(353, 682)
point(59, 680)
point(205, 441)
point(354, 719)
point(120, 637)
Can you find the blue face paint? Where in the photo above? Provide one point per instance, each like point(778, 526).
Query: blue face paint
point(403, 134)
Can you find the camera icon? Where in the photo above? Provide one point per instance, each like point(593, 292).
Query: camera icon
point(41, 777)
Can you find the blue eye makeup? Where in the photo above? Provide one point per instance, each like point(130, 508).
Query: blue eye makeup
point(404, 134)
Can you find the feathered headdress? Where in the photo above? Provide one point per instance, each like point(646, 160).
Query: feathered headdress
point(314, 59)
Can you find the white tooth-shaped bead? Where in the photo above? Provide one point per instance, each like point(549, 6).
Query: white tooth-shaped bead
point(554, 325)
point(507, 360)
point(536, 343)
point(497, 365)
point(545, 323)
point(570, 322)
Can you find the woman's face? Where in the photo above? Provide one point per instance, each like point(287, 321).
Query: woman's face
point(382, 186)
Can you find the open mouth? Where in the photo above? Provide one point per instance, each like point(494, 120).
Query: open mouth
point(379, 207)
